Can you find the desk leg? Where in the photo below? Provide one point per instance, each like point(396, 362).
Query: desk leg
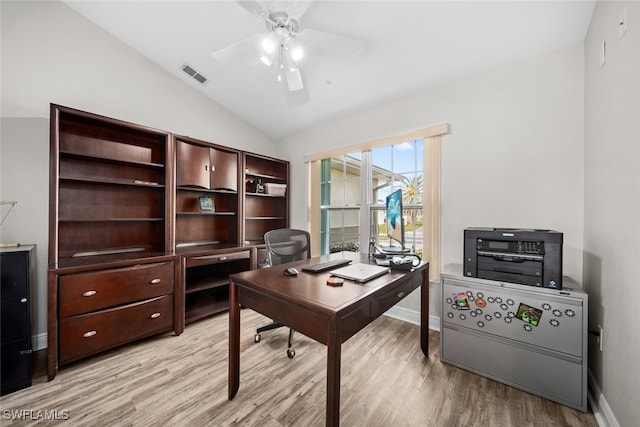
point(334, 349)
point(234, 340)
point(424, 312)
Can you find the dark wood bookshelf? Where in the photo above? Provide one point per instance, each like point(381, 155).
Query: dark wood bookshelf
point(112, 276)
point(264, 211)
point(145, 228)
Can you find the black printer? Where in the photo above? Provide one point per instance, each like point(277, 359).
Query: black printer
point(525, 256)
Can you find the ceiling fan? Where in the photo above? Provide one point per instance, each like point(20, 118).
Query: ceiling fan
point(284, 45)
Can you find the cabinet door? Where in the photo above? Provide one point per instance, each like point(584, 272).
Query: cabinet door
point(224, 170)
point(193, 165)
point(16, 366)
point(14, 271)
point(14, 308)
point(15, 319)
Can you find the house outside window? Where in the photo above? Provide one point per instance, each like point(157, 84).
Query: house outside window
point(340, 203)
point(345, 182)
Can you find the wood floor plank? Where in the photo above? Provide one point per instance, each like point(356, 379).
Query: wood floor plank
point(182, 381)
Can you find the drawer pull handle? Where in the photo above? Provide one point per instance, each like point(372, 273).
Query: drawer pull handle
point(155, 281)
point(89, 334)
point(23, 300)
point(222, 258)
point(155, 315)
point(89, 293)
point(400, 294)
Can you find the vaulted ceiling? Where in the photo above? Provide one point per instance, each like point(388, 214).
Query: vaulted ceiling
point(406, 47)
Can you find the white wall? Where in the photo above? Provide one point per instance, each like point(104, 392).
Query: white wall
point(612, 205)
point(24, 177)
point(50, 54)
point(514, 157)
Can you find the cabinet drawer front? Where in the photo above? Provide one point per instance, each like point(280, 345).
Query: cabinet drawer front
point(500, 311)
point(87, 334)
point(87, 292)
point(392, 296)
point(217, 259)
point(554, 378)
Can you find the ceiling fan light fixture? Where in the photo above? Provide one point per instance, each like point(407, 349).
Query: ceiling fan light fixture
point(296, 54)
point(268, 45)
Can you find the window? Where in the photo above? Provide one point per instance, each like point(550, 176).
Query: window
point(349, 187)
point(398, 166)
point(340, 203)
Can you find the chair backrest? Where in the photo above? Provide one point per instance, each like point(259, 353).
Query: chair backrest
point(287, 245)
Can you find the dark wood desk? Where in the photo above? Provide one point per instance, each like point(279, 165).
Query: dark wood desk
point(329, 315)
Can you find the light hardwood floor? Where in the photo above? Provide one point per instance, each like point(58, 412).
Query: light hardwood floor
point(182, 381)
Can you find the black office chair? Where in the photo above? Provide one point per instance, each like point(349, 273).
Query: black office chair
point(285, 245)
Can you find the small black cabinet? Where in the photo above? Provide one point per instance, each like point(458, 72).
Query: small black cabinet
point(17, 269)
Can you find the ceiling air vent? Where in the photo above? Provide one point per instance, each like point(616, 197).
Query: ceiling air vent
point(196, 75)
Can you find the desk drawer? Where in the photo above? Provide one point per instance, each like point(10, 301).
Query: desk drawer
point(87, 292)
point(391, 297)
point(217, 258)
point(87, 334)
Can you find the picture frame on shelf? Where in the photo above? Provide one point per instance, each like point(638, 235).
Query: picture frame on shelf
point(206, 204)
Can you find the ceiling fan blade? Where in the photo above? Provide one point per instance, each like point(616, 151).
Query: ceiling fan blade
point(253, 7)
point(330, 43)
point(239, 52)
point(295, 98)
point(298, 8)
point(294, 79)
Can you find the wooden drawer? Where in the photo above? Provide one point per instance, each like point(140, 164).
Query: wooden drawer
point(87, 334)
point(217, 258)
point(392, 296)
point(87, 292)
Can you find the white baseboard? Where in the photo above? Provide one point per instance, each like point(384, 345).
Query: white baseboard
point(599, 406)
point(412, 316)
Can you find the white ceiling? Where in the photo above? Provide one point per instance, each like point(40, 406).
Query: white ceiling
point(410, 46)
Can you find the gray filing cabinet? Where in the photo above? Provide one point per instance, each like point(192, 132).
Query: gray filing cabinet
point(530, 338)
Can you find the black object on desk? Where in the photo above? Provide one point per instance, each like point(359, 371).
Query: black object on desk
point(327, 265)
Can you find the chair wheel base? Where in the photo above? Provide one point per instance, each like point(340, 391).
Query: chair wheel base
point(291, 353)
point(256, 338)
